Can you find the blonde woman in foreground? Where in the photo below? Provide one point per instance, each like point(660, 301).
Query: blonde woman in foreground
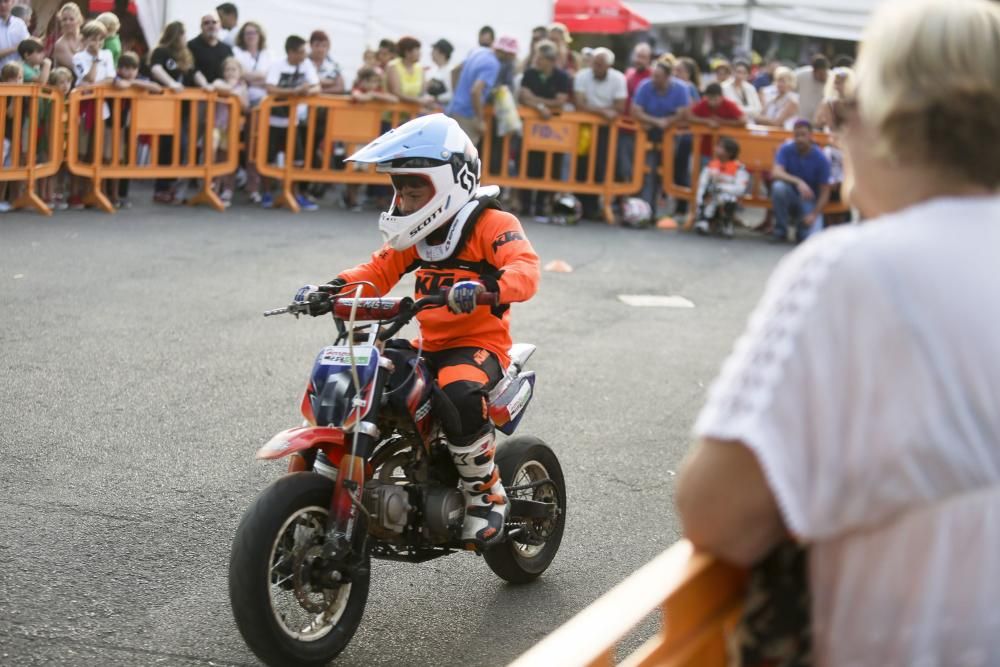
point(858, 414)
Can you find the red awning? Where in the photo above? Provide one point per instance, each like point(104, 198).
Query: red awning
point(598, 16)
point(98, 6)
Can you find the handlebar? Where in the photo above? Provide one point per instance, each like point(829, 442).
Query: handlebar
point(405, 308)
point(408, 311)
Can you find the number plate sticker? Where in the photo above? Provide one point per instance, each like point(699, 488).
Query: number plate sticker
point(340, 355)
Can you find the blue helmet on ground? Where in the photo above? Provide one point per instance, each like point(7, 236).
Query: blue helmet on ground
point(436, 149)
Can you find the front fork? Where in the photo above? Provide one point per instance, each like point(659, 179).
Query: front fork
point(343, 536)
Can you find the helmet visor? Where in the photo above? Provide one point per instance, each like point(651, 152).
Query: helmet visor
point(400, 181)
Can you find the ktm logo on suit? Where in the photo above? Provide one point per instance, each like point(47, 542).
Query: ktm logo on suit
point(431, 282)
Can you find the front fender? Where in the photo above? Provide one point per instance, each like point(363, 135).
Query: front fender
point(301, 438)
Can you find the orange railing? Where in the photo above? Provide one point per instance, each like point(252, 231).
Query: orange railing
point(177, 127)
point(700, 600)
point(30, 115)
point(758, 145)
point(323, 124)
point(570, 152)
point(583, 139)
point(317, 126)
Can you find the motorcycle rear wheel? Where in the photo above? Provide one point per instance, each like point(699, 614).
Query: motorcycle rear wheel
point(282, 616)
point(523, 460)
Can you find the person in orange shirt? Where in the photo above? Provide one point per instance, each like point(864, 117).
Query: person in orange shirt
point(721, 185)
point(454, 235)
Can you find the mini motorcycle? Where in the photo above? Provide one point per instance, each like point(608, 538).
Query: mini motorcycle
point(370, 476)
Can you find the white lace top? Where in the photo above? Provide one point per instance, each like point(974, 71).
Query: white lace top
point(868, 386)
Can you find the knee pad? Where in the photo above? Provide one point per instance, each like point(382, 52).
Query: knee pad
point(462, 410)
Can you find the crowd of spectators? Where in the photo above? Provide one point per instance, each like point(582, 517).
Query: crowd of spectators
point(659, 91)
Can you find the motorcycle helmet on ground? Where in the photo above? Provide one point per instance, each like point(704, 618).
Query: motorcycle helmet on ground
point(435, 149)
point(636, 212)
point(566, 210)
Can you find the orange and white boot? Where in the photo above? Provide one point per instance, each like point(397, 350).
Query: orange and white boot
point(486, 504)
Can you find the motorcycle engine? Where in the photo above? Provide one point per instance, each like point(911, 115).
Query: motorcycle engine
point(389, 507)
point(444, 511)
point(391, 511)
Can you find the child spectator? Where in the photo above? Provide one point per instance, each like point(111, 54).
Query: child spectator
point(368, 87)
point(94, 65)
point(232, 82)
point(720, 187)
point(61, 78)
point(12, 74)
point(292, 75)
point(113, 42)
point(34, 64)
point(52, 189)
point(127, 76)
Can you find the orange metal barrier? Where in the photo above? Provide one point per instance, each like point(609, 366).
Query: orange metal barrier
point(758, 145)
point(107, 126)
point(31, 134)
point(250, 144)
point(700, 599)
point(584, 139)
point(326, 124)
point(308, 151)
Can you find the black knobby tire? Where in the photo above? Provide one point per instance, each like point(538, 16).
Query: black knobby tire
point(250, 576)
point(510, 560)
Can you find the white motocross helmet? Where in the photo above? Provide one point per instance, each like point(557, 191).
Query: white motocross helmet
point(436, 149)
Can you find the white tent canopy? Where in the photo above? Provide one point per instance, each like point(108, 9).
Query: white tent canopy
point(833, 19)
point(354, 25)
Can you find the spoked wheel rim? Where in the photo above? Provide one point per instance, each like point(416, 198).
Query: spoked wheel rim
point(303, 611)
point(529, 473)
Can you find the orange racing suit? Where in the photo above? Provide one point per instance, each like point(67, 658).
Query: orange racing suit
point(495, 251)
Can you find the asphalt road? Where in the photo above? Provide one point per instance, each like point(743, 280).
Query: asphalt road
point(137, 378)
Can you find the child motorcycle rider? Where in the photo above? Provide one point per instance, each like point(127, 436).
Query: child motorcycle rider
point(442, 225)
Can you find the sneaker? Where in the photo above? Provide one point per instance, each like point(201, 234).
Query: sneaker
point(5, 206)
point(241, 178)
point(543, 219)
point(727, 229)
point(59, 205)
point(123, 203)
point(255, 198)
point(266, 200)
point(227, 195)
point(305, 203)
point(76, 203)
point(702, 227)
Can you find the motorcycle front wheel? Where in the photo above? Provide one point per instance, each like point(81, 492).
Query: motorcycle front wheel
point(529, 469)
point(287, 608)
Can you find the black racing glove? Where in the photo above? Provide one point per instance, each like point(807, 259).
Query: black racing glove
point(337, 283)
